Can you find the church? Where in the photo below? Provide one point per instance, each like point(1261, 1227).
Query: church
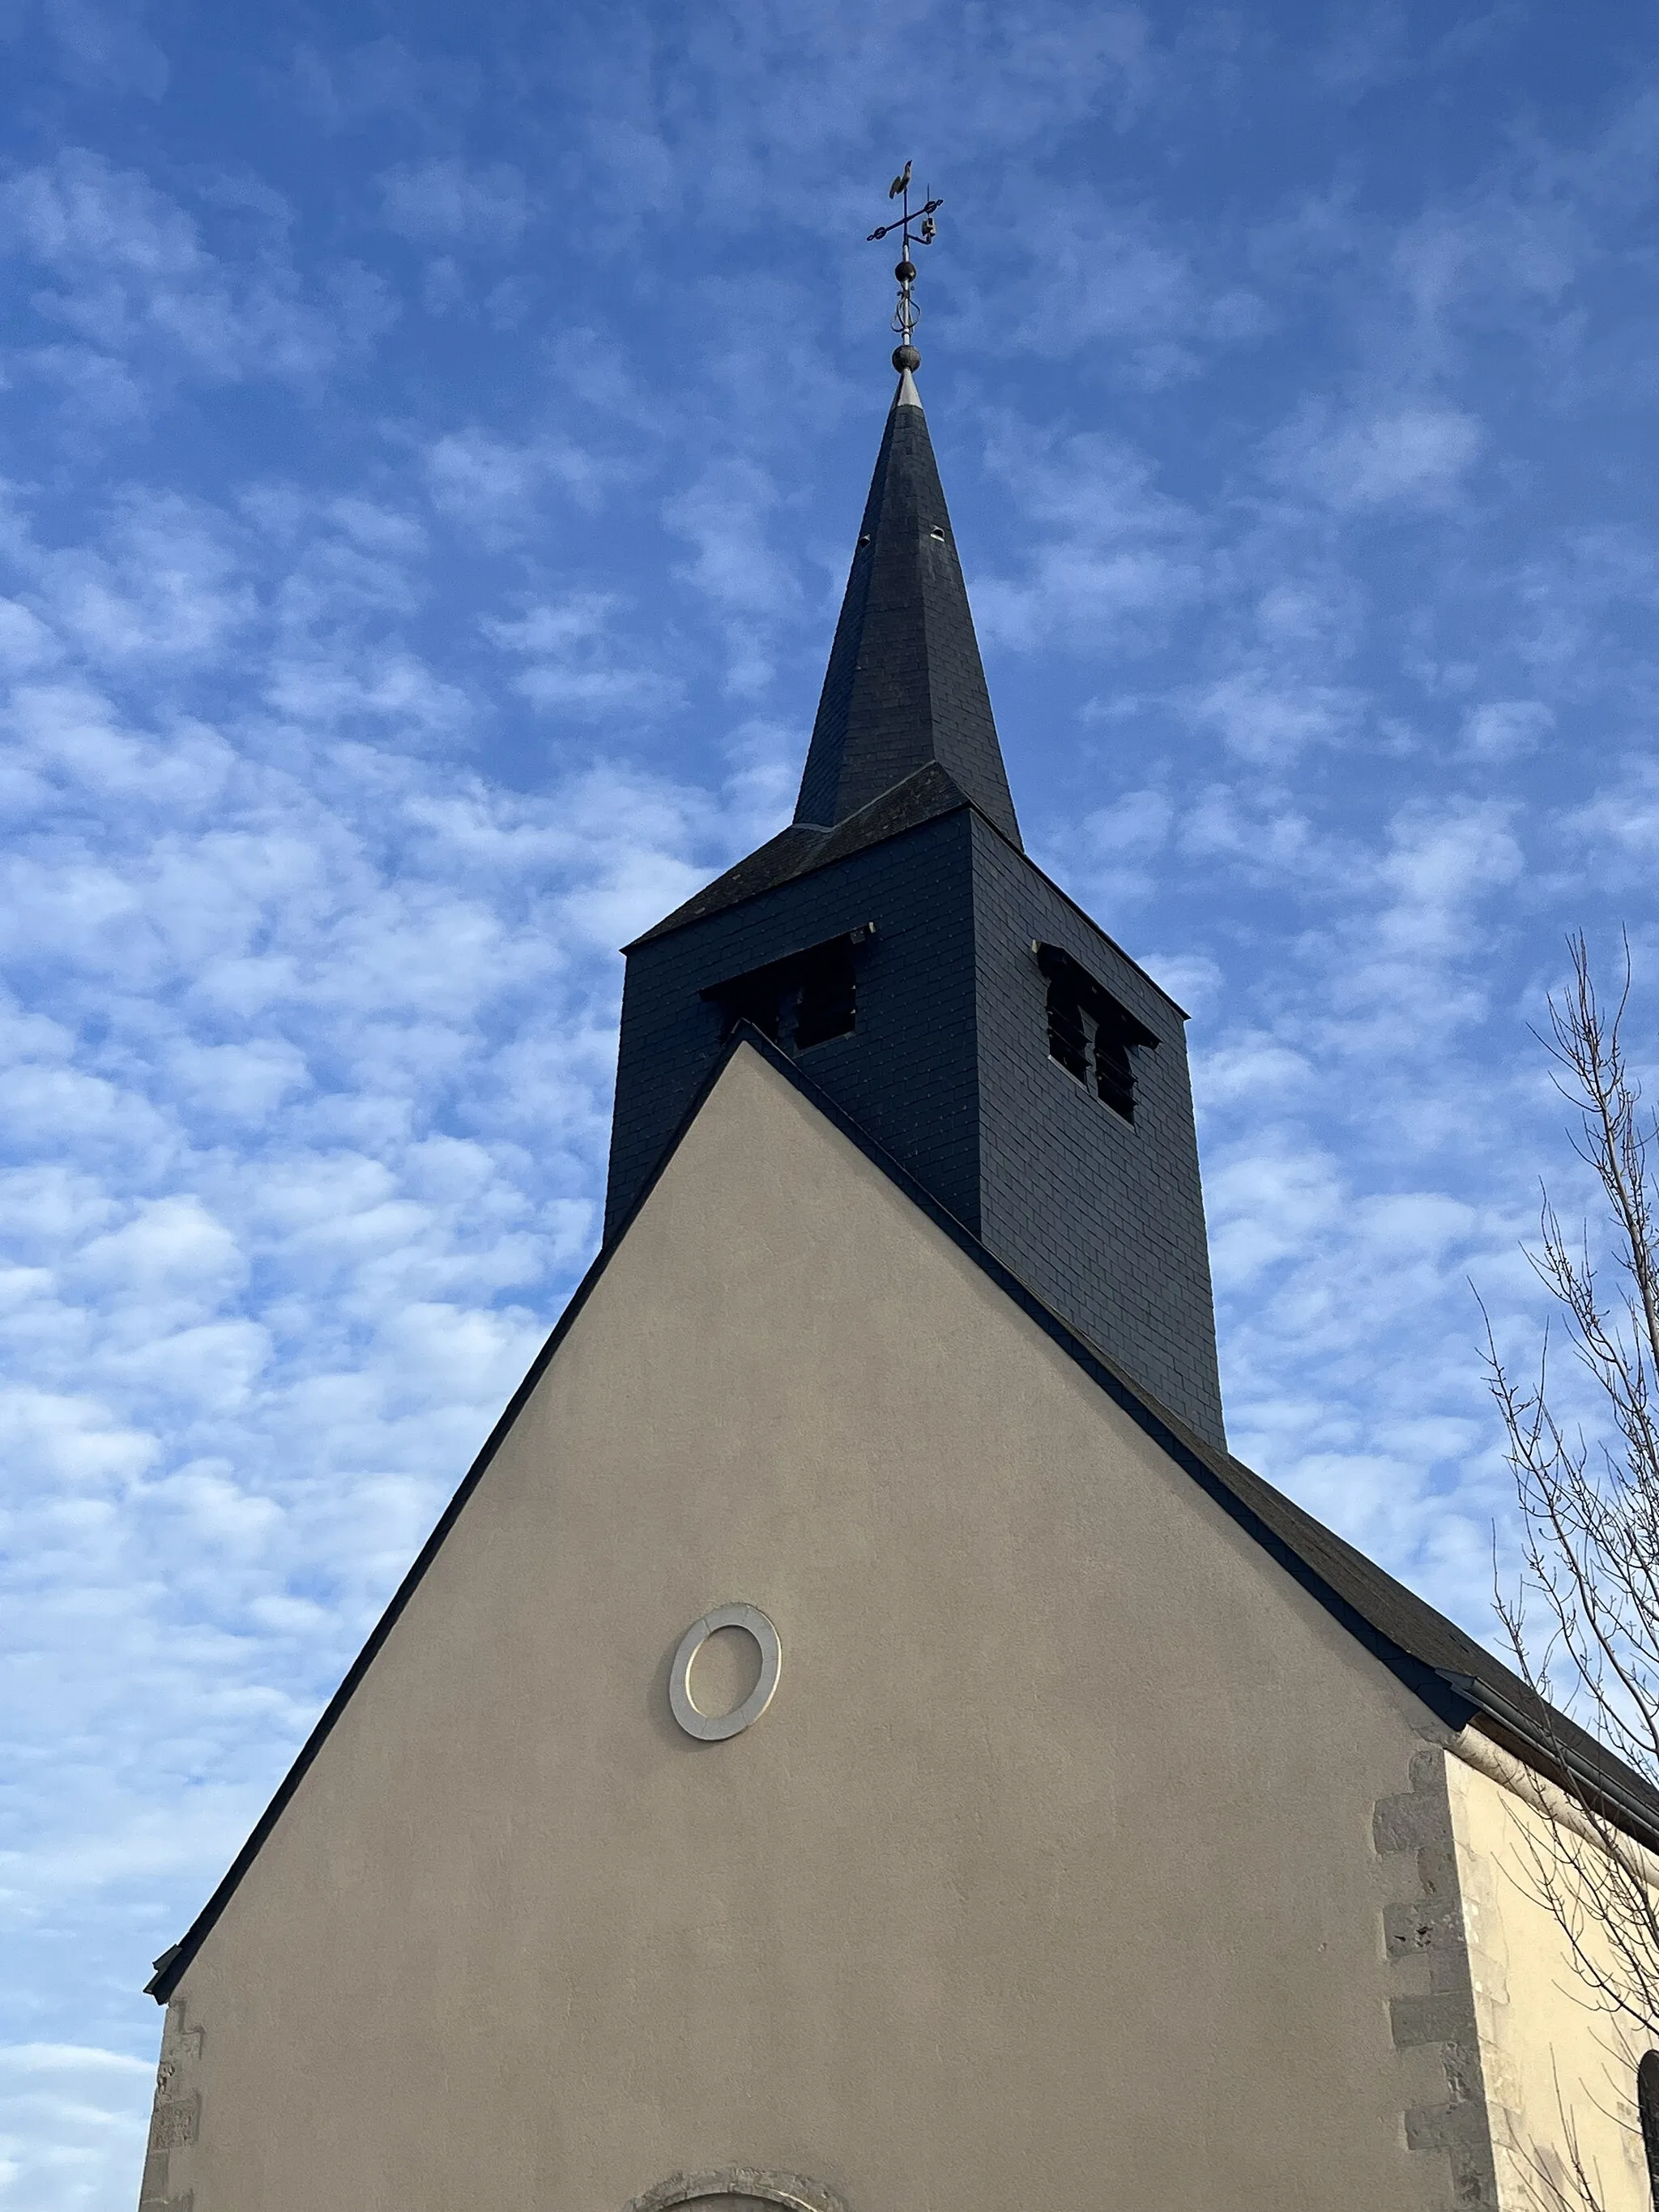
point(857, 1740)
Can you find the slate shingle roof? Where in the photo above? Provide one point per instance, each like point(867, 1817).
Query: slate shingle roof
point(798, 850)
point(904, 686)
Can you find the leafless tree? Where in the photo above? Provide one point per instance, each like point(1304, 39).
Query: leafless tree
point(1583, 1624)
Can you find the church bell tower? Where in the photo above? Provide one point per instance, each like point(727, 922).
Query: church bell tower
point(896, 942)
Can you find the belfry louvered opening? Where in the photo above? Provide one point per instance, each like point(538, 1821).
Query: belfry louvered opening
point(807, 997)
point(1091, 1035)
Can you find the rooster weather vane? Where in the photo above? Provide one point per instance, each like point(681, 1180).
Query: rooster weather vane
point(905, 355)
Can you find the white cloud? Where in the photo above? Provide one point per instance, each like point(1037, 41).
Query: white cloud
point(1111, 557)
point(1137, 825)
point(70, 2116)
point(1617, 829)
point(725, 516)
point(26, 643)
point(108, 47)
point(1258, 828)
point(127, 272)
point(1256, 1070)
point(573, 665)
point(495, 487)
point(1367, 47)
point(1503, 729)
point(1415, 454)
point(1268, 1205)
point(1264, 715)
point(1108, 277)
point(161, 585)
point(1438, 864)
point(345, 86)
point(389, 685)
point(446, 202)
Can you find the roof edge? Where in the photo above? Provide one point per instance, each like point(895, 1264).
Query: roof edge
point(1599, 1784)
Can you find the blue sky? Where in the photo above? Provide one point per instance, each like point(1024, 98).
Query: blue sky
point(432, 444)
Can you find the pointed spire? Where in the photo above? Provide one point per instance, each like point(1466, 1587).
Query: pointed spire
point(905, 685)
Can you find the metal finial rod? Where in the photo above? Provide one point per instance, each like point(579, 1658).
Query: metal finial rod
point(905, 314)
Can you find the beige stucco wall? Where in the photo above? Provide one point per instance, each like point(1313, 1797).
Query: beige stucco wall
point(1048, 1878)
point(1557, 2068)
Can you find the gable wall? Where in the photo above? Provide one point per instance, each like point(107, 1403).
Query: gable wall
point(1049, 1876)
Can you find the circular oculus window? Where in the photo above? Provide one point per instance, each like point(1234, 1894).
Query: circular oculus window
point(715, 1727)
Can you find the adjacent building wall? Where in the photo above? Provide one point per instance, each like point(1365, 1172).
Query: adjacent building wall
point(1052, 1876)
point(1558, 2069)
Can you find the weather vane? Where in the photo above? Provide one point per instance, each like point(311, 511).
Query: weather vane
point(904, 317)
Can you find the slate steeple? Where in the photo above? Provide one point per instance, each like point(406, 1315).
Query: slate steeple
point(937, 989)
point(905, 685)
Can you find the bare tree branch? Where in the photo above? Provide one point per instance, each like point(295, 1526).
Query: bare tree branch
point(1583, 1622)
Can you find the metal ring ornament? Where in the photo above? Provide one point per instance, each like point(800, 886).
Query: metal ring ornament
point(715, 1727)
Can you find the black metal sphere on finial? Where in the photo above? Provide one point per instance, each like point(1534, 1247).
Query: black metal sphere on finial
point(906, 358)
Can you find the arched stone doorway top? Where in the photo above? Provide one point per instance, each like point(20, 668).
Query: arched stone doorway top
point(738, 2188)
